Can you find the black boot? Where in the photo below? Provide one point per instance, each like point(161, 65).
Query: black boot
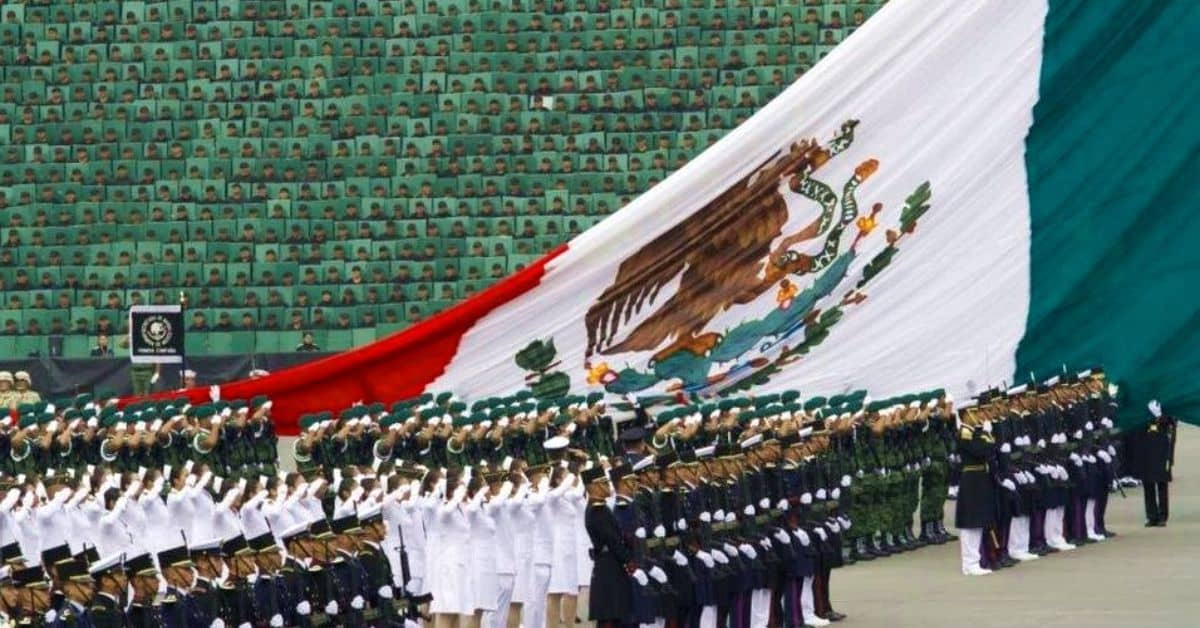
point(863, 549)
point(914, 542)
point(848, 557)
point(885, 545)
point(927, 536)
point(941, 528)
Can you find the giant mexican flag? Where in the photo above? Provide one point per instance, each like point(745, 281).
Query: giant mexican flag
point(960, 195)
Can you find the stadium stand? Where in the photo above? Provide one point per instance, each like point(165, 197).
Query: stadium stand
point(348, 168)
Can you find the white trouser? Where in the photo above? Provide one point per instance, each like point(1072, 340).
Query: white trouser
point(1089, 519)
point(807, 609)
point(533, 612)
point(760, 608)
point(499, 617)
point(708, 617)
point(1054, 526)
point(969, 540)
point(1018, 536)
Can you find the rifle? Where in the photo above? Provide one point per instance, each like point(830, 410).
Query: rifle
point(411, 601)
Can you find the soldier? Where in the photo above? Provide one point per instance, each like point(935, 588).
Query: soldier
point(611, 602)
point(107, 609)
point(1155, 456)
point(143, 612)
point(976, 508)
point(176, 603)
point(79, 589)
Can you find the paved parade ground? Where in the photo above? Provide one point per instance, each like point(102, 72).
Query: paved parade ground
point(1144, 577)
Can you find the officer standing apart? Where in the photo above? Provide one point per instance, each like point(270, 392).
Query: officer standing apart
point(1153, 462)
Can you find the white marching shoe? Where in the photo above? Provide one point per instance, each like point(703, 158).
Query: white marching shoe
point(976, 570)
point(1025, 556)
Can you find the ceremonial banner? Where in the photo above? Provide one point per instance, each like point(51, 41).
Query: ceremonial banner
point(906, 216)
point(156, 334)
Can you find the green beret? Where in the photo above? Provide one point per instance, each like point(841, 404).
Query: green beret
point(442, 398)
point(725, 405)
point(460, 420)
point(27, 420)
point(388, 420)
point(258, 400)
point(429, 413)
point(594, 398)
point(71, 414)
point(458, 406)
point(523, 394)
point(82, 400)
point(790, 396)
point(813, 403)
point(306, 421)
point(424, 398)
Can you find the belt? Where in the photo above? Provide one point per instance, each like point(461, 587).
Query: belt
point(975, 467)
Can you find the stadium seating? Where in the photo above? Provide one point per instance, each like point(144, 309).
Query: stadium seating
point(347, 167)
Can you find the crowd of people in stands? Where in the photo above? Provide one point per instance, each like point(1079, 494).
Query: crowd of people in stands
point(503, 511)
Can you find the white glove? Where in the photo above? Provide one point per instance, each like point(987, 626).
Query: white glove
point(782, 537)
point(748, 551)
point(720, 557)
point(681, 524)
point(833, 525)
point(1088, 426)
point(846, 481)
point(1078, 434)
point(719, 515)
point(729, 550)
point(802, 536)
point(641, 578)
point(154, 378)
point(244, 624)
point(730, 517)
point(276, 621)
point(764, 503)
point(859, 474)
point(1155, 408)
point(679, 558)
point(987, 427)
point(659, 532)
point(845, 521)
point(836, 493)
point(358, 603)
point(640, 533)
point(658, 574)
point(214, 393)
point(1006, 448)
point(303, 608)
point(1106, 423)
point(748, 511)
point(51, 616)
point(806, 498)
point(1008, 484)
point(705, 517)
point(820, 532)
point(331, 608)
point(706, 558)
point(1112, 451)
point(820, 493)
point(385, 592)
point(218, 623)
point(782, 505)
point(1078, 461)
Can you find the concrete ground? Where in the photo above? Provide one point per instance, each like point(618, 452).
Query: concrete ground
point(1144, 577)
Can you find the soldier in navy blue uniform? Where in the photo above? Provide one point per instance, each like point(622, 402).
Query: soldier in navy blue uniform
point(176, 568)
point(237, 600)
point(107, 609)
point(143, 610)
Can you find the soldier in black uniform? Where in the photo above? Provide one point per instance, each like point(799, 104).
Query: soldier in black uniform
point(176, 568)
point(1154, 458)
point(611, 602)
point(143, 612)
point(108, 609)
point(975, 512)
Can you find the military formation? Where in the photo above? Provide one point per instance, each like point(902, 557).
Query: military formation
point(502, 512)
point(1037, 463)
point(165, 514)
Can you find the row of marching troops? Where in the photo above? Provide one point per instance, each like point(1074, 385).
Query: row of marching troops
point(1037, 463)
